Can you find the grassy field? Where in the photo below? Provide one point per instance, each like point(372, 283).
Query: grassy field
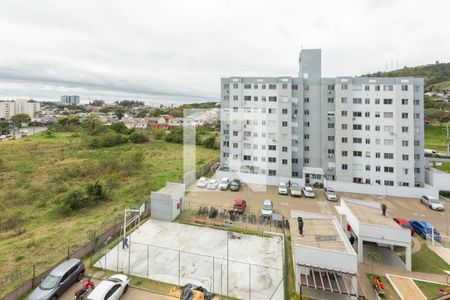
point(435, 137)
point(430, 290)
point(444, 167)
point(427, 261)
point(36, 171)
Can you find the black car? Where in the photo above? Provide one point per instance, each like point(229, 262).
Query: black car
point(235, 185)
point(59, 280)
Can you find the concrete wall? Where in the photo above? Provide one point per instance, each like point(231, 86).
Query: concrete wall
point(327, 259)
point(397, 191)
point(437, 179)
point(259, 179)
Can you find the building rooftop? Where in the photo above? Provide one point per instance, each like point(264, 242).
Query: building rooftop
point(319, 231)
point(171, 188)
point(369, 212)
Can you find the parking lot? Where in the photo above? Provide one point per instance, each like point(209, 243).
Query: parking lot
point(132, 294)
point(408, 208)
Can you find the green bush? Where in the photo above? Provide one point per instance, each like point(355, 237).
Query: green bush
point(138, 137)
point(95, 192)
point(159, 133)
point(119, 127)
point(209, 142)
point(318, 185)
point(445, 194)
point(175, 136)
point(72, 200)
point(108, 139)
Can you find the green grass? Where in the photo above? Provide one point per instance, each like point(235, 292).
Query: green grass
point(435, 137)
point(36, 170)
point(441, 85)
point(389, 291)
point(427, 261)
point(444, 167)
point(430, 290)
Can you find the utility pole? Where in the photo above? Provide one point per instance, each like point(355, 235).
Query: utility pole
point(448, 141)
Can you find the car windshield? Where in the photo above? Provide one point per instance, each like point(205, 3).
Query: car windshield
point(295, 186)
point(433, 200)
point(224, 180)
point(282, 184)
point(50, 282)
point(330, 192)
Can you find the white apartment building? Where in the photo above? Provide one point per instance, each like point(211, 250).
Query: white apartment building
point(352, 129)
point(70, 100)
point(18, 106)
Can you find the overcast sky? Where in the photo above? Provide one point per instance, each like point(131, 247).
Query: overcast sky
point(177, 51)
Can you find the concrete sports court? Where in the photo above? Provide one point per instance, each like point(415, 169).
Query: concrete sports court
point(179, 254)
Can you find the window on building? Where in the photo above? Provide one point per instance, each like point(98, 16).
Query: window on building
point(344, 100)
point(389, 183)
point(272, 172)
point(388, 115)
point(344, 113)
point(330, 100)
point(284, 111)
point(306, 148)
point(247, 98)
point(284, 86)
point(357, 127)
point(416, 102)
point(272, 159)
point(344, 153)
point(235, 85)
point(235, 97)
point(272, 99)
point(306, 100)
point(247, 86)
point(367, 87)
point(404, 115)
point(247, 157)
point(388, 87)
point(387, 101)
point(344, 140)
point(331, 138)
point(357, 153)
point(344, 126)
point(404, 129)
point(404, 87)
point(295, 86)
point(357, 114)
point(377, 168)
point(404, 101)
point(389, 169)
point(284, 161)
point(357, 100)
point(284, 124)
point(377, 101)
point(284, 149)
point(272, 86)
point(344, 86)
point(295, 160)
point(388, 155)
point(344, 167)
point(357, 140)
point(405, 157)
point(273, 147)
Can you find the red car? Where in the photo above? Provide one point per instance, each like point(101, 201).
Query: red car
point(404, 223)
point(239, 205)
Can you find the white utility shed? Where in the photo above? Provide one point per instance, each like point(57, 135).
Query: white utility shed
point(368, 223)
point(324, 260)
point(166, 204)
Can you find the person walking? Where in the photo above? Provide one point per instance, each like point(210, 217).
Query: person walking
point(125, 243)
point(351, 239)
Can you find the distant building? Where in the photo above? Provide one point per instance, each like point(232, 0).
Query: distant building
point(70, 100)
point(18, 106)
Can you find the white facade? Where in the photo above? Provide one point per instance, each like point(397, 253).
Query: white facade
point(363, 130)
point(18, 106)
point(70, 100)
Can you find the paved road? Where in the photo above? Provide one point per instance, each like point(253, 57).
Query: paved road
point(430, 160)
point(31, 131)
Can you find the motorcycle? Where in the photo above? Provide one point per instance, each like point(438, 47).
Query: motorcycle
point(85, 290)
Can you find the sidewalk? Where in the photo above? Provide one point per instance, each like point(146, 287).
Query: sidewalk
point(443, 252)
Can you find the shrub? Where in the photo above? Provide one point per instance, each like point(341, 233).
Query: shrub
point(138, 137)
point(95, 192)
point(72, 200)
point(119, 127)
point(318, 185)
point(159, 133)
point(108, 139)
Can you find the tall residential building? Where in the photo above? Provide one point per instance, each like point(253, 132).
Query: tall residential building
point(70, 100)
point(18, 106)
point(352, 129)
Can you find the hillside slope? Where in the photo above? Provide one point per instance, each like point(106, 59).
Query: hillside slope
point(436, 76)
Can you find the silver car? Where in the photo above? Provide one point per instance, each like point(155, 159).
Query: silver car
point(59, 280)
point(330, 194)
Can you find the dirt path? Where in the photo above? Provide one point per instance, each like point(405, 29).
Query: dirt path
point(407, 288)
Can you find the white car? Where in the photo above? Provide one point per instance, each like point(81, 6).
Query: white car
point(212, 184)
point(308, 192)
point(432, 202)
point(224, 183)
point(267, 208)
point(296, 191)
point(330, 194)
point(202, 182)
point(3, 136)
point(112, 288)
point(283, 188)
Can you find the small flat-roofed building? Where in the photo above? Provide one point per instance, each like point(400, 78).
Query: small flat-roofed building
point(368, 223)
point(166, 204)
point(325, 263)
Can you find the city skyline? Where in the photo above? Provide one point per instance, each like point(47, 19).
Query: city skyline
point(148, 51)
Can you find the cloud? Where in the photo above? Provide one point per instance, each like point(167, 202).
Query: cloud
point(171, 51)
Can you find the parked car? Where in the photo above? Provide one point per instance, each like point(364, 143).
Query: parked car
point(59, 280)
point(112, 288)
point(308, 192)
point(202, 182)
point(296, 191)
point(404, 224)
point(432, 203)
point(212, 184)
point(235, 185)
point(330, 194)
point(239, 205)
point(283, 188)
point(224, 183)
point(424, 229)
point(267, 208)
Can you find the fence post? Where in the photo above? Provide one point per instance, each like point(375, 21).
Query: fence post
point(179, 268)
point(213, 276)
point(118, 255)
point(34, 275)
point(129, 255)
point(249, 281)
point(148, 262)
point(68, 250)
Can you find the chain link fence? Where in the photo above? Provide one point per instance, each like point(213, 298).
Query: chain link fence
point(26, 277)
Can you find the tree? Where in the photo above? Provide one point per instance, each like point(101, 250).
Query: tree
point(209, 142)
point(119, 112)
point(19, 119)
point(374, 257)
point(120, 127)
point(95, 192)
point(138, 137)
